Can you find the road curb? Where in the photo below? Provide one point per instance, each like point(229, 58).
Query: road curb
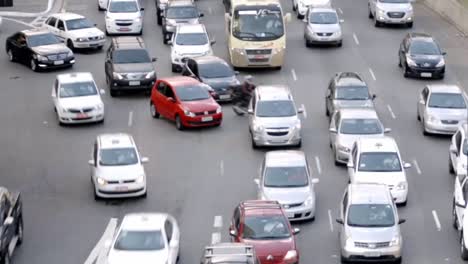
point(452, 11)
point(50, 5)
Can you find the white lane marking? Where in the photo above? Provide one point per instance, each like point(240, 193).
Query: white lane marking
point(293, 72)
point(341, 11)
point(221, 167)
point(210, 11)
point(436, 220)
point(18, 21)
point(218, 221)
point(355, 38)
point(108, 234)
point(391, 111)
point(317, 162)
point(305, 111)
point(130, 118)
point(330, 220)
point(416, 166)
point(215, 238)
point(372, 74)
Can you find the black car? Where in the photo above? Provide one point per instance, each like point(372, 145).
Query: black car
point(214, 72)
point(128, 66)
point(420, 56)
point(11, 223)
point(39, 49)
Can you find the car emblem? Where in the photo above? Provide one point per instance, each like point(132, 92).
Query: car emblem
point(426, 64)
point(206, 112)
point(270, 257)
point(372, 245)
point(286, 206)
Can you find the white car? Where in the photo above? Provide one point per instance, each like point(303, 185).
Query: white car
point(146, 238)
point(378, 160)
point(102, 4)
point(75, 30)
point(301, 6)
point(189, 41)
point(117, 168)
point(77, 99)
point(124, 17)
point(458, 152)
point(391, 12)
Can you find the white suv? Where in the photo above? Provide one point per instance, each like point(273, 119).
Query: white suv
point(458, 152)
point(117, 167)
point(391, 12)
point(124, 17)
point(378, 160)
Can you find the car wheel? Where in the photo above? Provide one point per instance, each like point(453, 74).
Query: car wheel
point(254, 145)
point(19, 231)
point(178, 123)
point(165, 38)
point(423, 126)
point(70, 44)
point(403, 203)
point(299, 145)
point(370, 13)
point(154, 112)
point(158, 15)
point(376, 22)
point(113, 93)
point(451, 169)
point(441, 77)
point(464, 251)
point(340, 44)
point(307, 43)
point(344, 260)
point(174, 67)
point(140, 33)
point(409, 25)
point(398, 260)
point(144, 195)
point(11, 57)
point(33, 65)
point(299, 16)
point(454, 215)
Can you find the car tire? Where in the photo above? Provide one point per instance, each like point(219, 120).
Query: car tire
point(423, 127)
point(254, 145)
point(344, 260)
point(340, 44)
point(454, 215)
point(113, 92)
point(159, 16)
point(165, 37)
point(451, 169)
point(178, 123)
point(299, 16)
point(370, 12)
point(299, 145)
point(398, 260)
point(463, 250)
point(441, 77)
point(278, 68)
point(33, 65)
point(11, 56)
point(409, 25)
point(154, 111)
point(403, 203)
point(376, 23)
point(20, 231)
point(144, 195)
point(307, 43)
point(174, 67)
point(70, 44)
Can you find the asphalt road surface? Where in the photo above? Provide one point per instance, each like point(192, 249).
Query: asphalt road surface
point(200, 175)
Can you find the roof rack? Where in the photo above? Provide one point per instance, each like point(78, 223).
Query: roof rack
point(255, 204)
point(248, 248)
point(121, 41)
point(349, 74)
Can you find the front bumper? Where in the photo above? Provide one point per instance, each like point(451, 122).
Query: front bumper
point(314, 38)
point(239, 58)
point(113, 28)
point(121, 190)
point(133, 85)
point(353, 253)
point(291, 138)
point(49, 64)
point(426, 72)
point(386, 19)
point(89, 44)
point(73, 118)
point(440, 128)
point(301, 212)
point(202, 121)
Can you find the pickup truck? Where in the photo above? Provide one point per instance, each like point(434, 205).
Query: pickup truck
point(11, 223)
point(225, 253)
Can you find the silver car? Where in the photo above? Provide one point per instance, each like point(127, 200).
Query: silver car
point(322, 26)
point(391, 12)
point(285, 177)
point(369, 224)
point(348, 125)
point(441, 109)
point(273, 117)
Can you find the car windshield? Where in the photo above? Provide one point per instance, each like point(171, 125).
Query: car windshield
point(139, 240)
point(323, 18)
point(79, 23)
point(264, 23)
point(77, 89)
point(215, 70)
point(191, 39)
point(394, 1)
point(465, 147)
point(131, 56)
point(118, 157)
point(123, 7)
point(279, 108)
point(43, 40)
point(424, 48)
point(264, 227)
point(192, 93)
point(447, 100)
point(360, 126)
point(284, 177)
point(352, 93)
point(371, 215)
point(182, 12)
point(379, 162)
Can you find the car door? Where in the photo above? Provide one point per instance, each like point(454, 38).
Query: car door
point(456, 144)
point(461, 196)
point(352, 163)
point(172, 236)
point(251, 108)
point(51, 23)
point(172, 106)
point(55, 93)
point(160, 99)
point(61, 30)
point(423, 103)
point(334, 125)
point(343, 208)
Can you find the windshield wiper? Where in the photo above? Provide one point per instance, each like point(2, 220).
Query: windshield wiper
point(248, 33)
point(272, 237)
point(272, 33)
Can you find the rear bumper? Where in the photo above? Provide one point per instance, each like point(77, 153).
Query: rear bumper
point(198, 122)
point(419, 72)
point(144, 85)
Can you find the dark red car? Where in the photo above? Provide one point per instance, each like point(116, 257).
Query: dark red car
point(186, 101)
point(264, 225)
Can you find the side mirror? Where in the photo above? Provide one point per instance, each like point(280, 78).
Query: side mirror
point(8, 221)
point(422, 102)
point(374, 96)
point(315, 180)
point(91, 162)
point(387, 130)
point(236, 72)
point(144, 160)
point(142, 9)
point(304, 20)
point(332, 130)
point(444, 53)
point(232, 232)
point(458, 204)
point(257, 181)
point(350, 165)
point(102, 91)
point(296, 231)
point(250, 112)
point(401, 221)
point(341, 21)
point(154, 59)
point(407, 165)
point(213, 41)
point(339, 221)
point(170, 99)
point(201, 15)
point(300, 110)
point(170, 42)
point(453, 150)
point(287, 17)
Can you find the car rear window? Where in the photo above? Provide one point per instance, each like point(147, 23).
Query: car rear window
point(139, 240)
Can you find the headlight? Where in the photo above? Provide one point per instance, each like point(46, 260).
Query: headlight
point(117, 76)
point(433, 119)
point(410, 61)
point(64, 110)
point(395, 241)
point(441, 63)
point(401, 186)
point(140, 178)
point(81, 39)
point(292, 254)
point(343, 148)
point(257, 128)
point(278, 50)
point(237, 50)
point(70, 54)
point(309, 201)
point(188, 113)
point(298, 126)
point(99, 107)
point(218, 110)
point(138, 20)
point(349, 242)
point(101, 181)
point(150, 75)
point(380, 12)
point(337, 33)
point(102, 37)
point(41, 58)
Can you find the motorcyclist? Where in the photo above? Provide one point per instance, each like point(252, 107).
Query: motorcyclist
point(245, 92)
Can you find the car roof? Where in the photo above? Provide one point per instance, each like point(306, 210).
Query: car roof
point(180, 3)
point(349, 79)
point(285, 158)
point(322, 9)
point(143, 221)
point(75, 77)
point(128, 42)
point(380, 144)
point(444, 88)
point(358, 113)
point(191, 28)
point(261, 207)
point(67, 16)
point(369, 193)
point(420, 36)
point(176, 81)
point(35, 31)
point(116, 140)
point(209, 59)
point(273, 92)
point(229, 252)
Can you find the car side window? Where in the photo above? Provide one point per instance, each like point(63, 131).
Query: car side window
point(56, 85)
point(236, 218)
point(465, 192)
point(425, 94)
point(95, 151)
point(161, 87)
point(60, 25)
point(169, 92)
point(20, 39)
point(168, 230)
point(458, 141)
point(337, 120)
point(52, 21)
point(345, 203)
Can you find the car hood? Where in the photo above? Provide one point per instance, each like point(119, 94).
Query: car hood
point(373, 234)
point(339, 104)
point(192, 49)
point(419, 58)
point(140, 257)
point(201, 105)
point(177, 21)
point(277, 248)
point(448, 114)
point(133, 67)
point(388, 178)
point(348, 140)
point(276, 122)
point(51, 49)
point(220, 83)
point(114, 173)
point(287, 195)
point(395, 7)
point(317, 3)
point(85, 32)
point(325, 28)
point(80, 102)
point(123, 16)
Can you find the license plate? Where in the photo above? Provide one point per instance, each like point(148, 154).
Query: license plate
point(260, 56)
point(81, 116)
point(94, 44)
point(207, 119)
point(134, 83)
point(224, 96)
point(121, 188)
point(372, 254)
point(426, 74)
point(124, 29)
point(59, 62)
point(290, 215)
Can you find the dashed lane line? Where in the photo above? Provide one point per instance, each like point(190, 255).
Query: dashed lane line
point(317, 162)
point(355, 39)
point(305, 111)
point(436, 220)
point(372, 74)
point(218, 221)
point(108, 234)
point(330, 220)
point(416, 166)
point(221, 168)
point(215, 238)
point(391, 111)
point(130, 119)
point(293, 73)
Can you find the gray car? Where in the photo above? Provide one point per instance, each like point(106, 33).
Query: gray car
point(369, 222)
point(441, 109)
point(322, 26)
point(348, 125)
point(285, 177)
point(347, 90)
point(177, 13)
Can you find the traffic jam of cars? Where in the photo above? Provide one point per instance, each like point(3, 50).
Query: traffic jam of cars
point(262, 229)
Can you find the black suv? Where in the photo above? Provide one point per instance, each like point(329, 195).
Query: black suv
point(176, 13)
point(238, 253)
point(347, 89)
point(128, 66)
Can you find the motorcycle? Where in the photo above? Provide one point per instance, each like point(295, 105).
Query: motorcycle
point(240, 102)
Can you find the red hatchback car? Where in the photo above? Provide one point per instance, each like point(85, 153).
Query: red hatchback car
point(186, 101)
point(264, 225)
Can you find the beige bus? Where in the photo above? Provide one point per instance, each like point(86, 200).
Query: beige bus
point(256, 33)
